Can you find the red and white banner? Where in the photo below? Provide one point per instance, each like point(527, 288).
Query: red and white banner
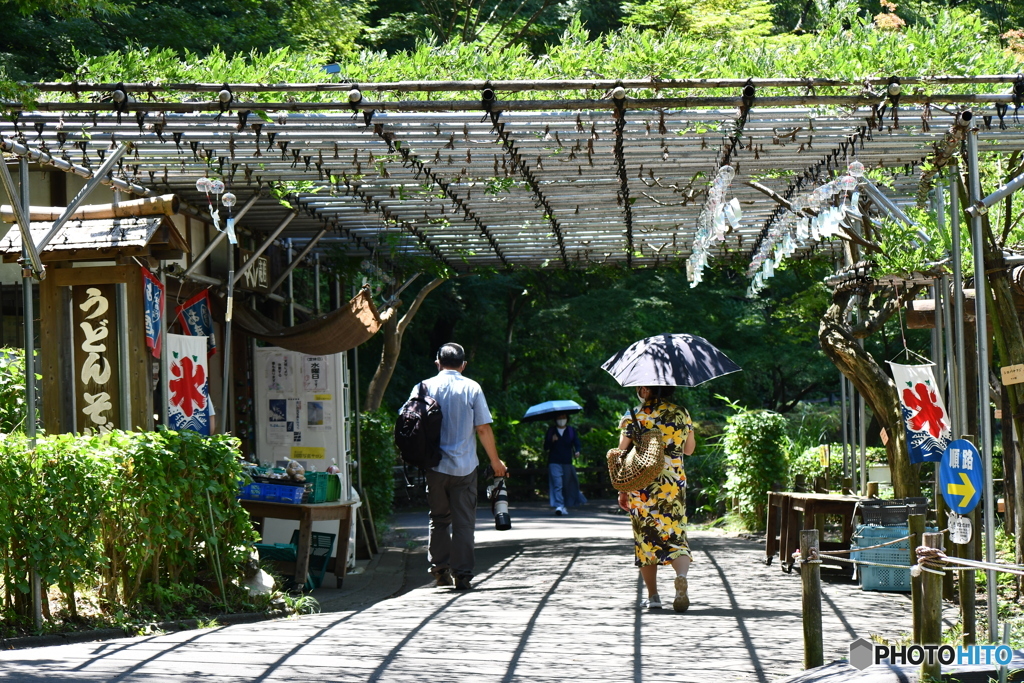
point(927, 423)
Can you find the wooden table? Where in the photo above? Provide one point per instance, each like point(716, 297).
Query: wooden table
point(306, 514)
point(783, 535)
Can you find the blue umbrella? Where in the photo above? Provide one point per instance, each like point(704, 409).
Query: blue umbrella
point(542, 411)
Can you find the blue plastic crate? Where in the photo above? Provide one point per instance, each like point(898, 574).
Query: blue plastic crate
point(251, 491)
point(290, 494)
point(884, 578)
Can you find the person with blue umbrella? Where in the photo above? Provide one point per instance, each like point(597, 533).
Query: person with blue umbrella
point(562, 444)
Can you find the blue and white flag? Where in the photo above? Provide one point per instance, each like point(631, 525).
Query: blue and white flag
point(196, 320)
point(153, 294)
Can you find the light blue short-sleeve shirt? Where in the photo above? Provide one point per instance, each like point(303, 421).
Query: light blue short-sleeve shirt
point(463, 408)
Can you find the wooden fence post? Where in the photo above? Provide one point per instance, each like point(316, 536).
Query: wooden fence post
point(931, 612)
point(810, 578)
point(916, 526)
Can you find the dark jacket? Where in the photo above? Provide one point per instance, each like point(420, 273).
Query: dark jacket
point(560, 449)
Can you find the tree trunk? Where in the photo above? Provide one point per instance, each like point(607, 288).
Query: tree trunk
point(393, 330)
point(839, 343)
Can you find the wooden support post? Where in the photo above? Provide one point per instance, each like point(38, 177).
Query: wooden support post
point(931, 612)
point(810, 577)
point(916, 526)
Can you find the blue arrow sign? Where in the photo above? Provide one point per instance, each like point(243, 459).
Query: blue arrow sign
point(960, 476)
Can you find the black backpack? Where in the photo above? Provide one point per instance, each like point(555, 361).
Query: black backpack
point(418, 430)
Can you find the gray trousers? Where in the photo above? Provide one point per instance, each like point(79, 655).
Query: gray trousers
point(452, 503)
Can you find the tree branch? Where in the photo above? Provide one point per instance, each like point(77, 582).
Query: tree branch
point(529, 22)
point(880, 316)
point(417, 302)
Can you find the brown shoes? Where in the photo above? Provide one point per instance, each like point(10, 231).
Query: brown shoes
point(682, 601)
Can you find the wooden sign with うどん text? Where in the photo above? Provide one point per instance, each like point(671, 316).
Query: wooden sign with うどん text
point(96, 366)
point(1013, 374)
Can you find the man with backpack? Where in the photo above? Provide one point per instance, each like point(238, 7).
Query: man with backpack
point(562, 444)
point(452, 483)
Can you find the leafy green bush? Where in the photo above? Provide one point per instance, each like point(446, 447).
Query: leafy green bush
point(379, 458)
point(706, 476)
point(808, 463)
point(12, 390)
point(131, 517)
point(756, 451)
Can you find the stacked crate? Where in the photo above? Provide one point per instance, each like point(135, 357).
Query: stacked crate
point(886, 520)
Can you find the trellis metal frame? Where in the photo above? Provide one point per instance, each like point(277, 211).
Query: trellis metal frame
point(424, 170)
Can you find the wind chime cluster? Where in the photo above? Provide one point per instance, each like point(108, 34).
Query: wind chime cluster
point(716, 219)
point(815, 216)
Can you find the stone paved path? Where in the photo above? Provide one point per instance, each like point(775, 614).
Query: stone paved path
point(555, 600)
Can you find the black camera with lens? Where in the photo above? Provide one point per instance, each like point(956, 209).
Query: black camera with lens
point(497, 493)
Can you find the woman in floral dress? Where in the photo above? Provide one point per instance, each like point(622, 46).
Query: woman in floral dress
point(658, 512)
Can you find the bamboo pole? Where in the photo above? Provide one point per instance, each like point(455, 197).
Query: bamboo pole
point(37, 155)
point(167, 205)
point(810, 578)
point(521, 84)
point(365, 105)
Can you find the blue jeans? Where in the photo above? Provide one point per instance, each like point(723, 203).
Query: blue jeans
point(563, 486)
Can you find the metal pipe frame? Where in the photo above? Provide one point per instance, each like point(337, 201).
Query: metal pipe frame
point(952, 387)
point(39, 156)
point(220, 236)
point(29, 252)
point(982, 207)
point(108, 164)
point(297, 261)
point(28, 320)
point(958, 297)
point(316, 284)
point(981, 324)
point(847, 469)
point(291, 287)
point(884, 202)
point(263, 247)
point(228, 311)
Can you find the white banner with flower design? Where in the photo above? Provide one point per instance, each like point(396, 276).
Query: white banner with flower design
point(927, 423)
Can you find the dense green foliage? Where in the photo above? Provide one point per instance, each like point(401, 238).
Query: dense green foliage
point(122, 522)
point(757, 451)
point(379, 458)
point(12, 390)
point(808, 464)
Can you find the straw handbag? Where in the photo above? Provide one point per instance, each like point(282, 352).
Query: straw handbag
point(637, 467)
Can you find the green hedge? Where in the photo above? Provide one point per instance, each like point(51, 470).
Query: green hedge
point(377, 431)
point(756, 447)
point(125, 519)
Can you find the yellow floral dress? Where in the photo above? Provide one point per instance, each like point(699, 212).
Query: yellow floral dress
point(658, 512)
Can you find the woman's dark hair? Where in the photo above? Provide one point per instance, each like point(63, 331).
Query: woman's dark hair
point(660, 392)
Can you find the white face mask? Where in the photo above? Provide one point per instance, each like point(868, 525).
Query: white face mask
point(561, 422)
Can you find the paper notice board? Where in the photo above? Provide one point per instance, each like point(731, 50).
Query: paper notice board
point(302, 407)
